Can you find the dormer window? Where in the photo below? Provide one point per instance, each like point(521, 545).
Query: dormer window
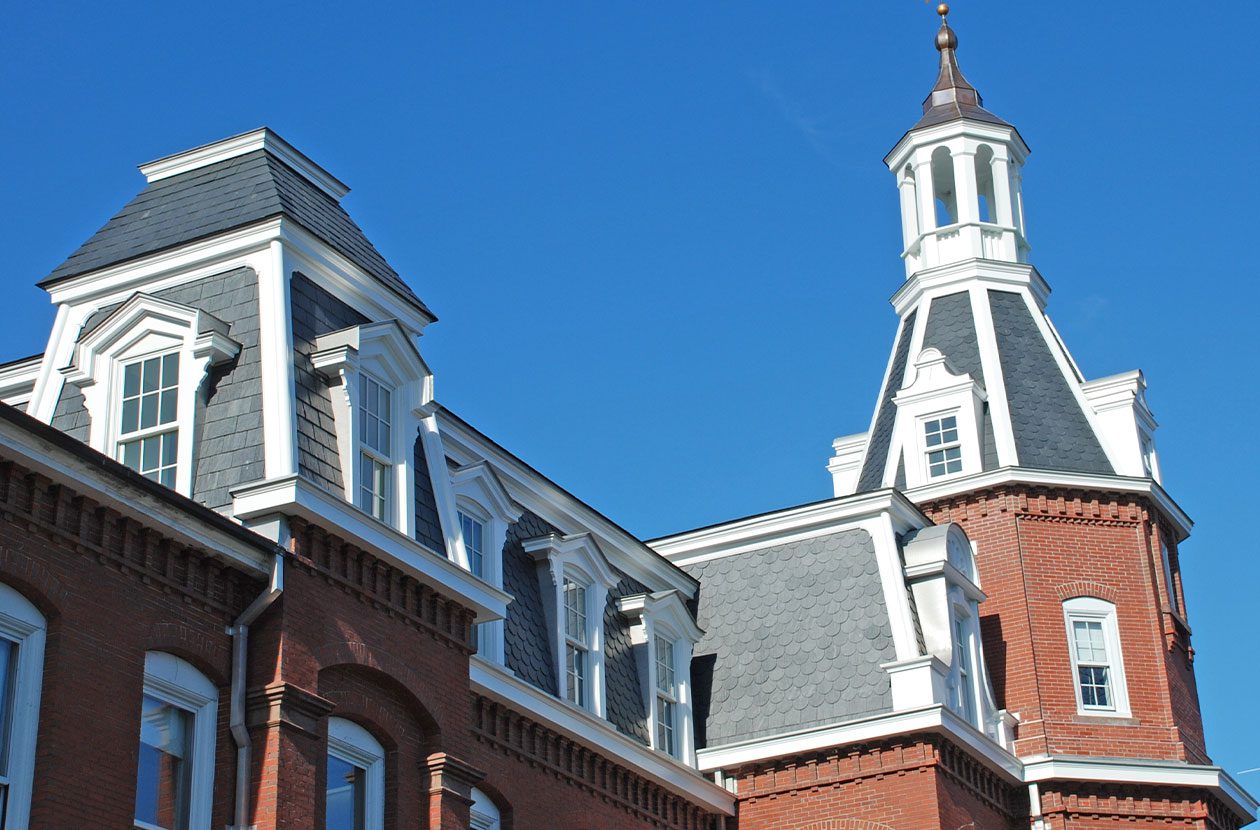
point(666, 697)
point(575, 579)
point(376, 447)
point(664, 634)
point(141, 370)
point(485, 512)
point(148, 437)
point(576, 645)
point(381, 392)
point(474, 532)
point(963, 680)
point(944, 451)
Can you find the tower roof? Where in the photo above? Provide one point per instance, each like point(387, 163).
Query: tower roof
point(953, 96)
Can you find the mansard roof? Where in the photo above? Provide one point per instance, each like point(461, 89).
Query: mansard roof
point(795, 636)
point(220, 197)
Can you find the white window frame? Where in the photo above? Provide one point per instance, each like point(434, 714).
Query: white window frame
point(484, 814)
point(480, 494)
point(966, 685)
point(355, 745)
point(23, 624)
point(1092, 609)
point(384, 352)
point(935, 425)
point(121, 438)
point(665, 691)
point(576, 682)
point(386, 456)
point(1165, 555)
point(934, 391)
point(575, 557)
point(664, 615)
point(172, 680)
point(145, 326)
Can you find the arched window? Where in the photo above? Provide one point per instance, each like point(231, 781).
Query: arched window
point(984, 184)
point(21, 670)
point(175, 768)
point(354, 798)
point(1093, 640)
point(944, 191)
point(485, 815)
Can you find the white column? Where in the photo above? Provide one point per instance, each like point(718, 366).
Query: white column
point(965, 185)
point(923, 189)
point(1003, 212)
point(275, 346)
point(909, 210)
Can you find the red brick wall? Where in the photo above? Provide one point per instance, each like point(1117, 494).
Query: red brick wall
point(1037, 548)
point(349, 636)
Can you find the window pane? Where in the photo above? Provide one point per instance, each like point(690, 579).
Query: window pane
point(8, 667)
point(665, 726)
point(162, 771)
point(170, 443)
point(170, 369)
point(148, 411)
point(131, 380)
point(130, 415)
point(151, 371)
point(1090, 645)
point(131, 454)
point(166, 410)
point(344, 795)
point(665, 666)
point(1095, 686)
point(575, 668)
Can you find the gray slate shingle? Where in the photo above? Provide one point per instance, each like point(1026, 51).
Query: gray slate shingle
point(881, 435)
point(1051, 430)
point(217, 198)
point(526, 642)
point(794, 637)
point(71, 415)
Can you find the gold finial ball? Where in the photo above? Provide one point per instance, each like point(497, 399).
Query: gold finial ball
point(942, 9)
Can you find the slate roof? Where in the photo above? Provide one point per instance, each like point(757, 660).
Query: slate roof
point(794, 637)
point(219, 197)
point(881, 435)
point(1051, 430)
point(951, 327)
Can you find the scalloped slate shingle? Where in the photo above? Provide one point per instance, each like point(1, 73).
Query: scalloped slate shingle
point(625, 693)
point(428, 521)
point(220, 197)
point(526, 642)
point(1051, 430)
point(881, 435)
point(794, 637)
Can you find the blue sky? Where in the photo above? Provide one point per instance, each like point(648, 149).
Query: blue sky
point(660, 238)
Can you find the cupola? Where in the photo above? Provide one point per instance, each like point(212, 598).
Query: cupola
point(958, 170)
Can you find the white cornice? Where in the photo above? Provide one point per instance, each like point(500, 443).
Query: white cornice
point(539, 495)
point(983, 130)
point(1127, 771)
point(96, 482)
point(598, 735)
point(936, 719)
point(1055, 478)
point(1001, 276)
point(17, 380)
point(294, 496)
point(766, 529)
point(239, 145)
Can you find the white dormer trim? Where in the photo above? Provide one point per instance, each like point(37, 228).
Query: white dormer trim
point(578, 558)
point(239, 145)
point(1125, 421)
point(664, 614)
point(934, 390)
point(845, 464)
point(480, 494)
point(17, 381)
point(383, 352)
point(145, 326)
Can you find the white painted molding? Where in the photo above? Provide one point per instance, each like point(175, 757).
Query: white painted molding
point(295, 496)
point(968, 273)
point(541, 496)
point(598, 735)
point(845, 464)
point(918, 682)
point(18, 379)
point(1170, 510)
point(791, 524)
point(239, 145)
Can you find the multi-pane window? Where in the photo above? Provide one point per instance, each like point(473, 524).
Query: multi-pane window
point(964, 688)
point(8, 682)
point(576, 644)
point(163, 773)
point(666, 697)
point(354, 792)
point(1173, 601)
point(148, 434)
point(375, 465)
point(1093, 667)
point(944, 452)
point(474, 532)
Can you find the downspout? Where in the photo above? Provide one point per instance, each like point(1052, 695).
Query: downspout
point(240, 651)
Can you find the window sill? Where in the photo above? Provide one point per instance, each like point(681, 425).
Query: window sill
point(1105, 718)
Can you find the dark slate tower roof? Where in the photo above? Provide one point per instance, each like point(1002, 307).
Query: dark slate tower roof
point(953, 96)
point(220, 197)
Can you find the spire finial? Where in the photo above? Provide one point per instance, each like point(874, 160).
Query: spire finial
point(945, 38)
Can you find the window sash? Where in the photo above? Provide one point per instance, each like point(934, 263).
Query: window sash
point(1093, 663)
point(164, 765)
point(374, 416)
point(575, 672)
point(374, 486)
point(150, 392)
point(8, 688)
point(665, 682)
point(345, 794)
point(575, 623)
point(942, 446)
point(154, 456)
point(666, 725)
point(474, 532)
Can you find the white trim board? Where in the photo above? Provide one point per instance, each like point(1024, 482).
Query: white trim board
point(539, 495)
point(599, 735)
point(295, 496)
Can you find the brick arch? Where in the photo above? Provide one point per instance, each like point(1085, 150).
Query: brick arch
point(34, 581)
point(386, 670)
point(1087, 588)
point(211, 658)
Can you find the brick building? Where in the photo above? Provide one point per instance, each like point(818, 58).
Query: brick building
point(252, 574)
